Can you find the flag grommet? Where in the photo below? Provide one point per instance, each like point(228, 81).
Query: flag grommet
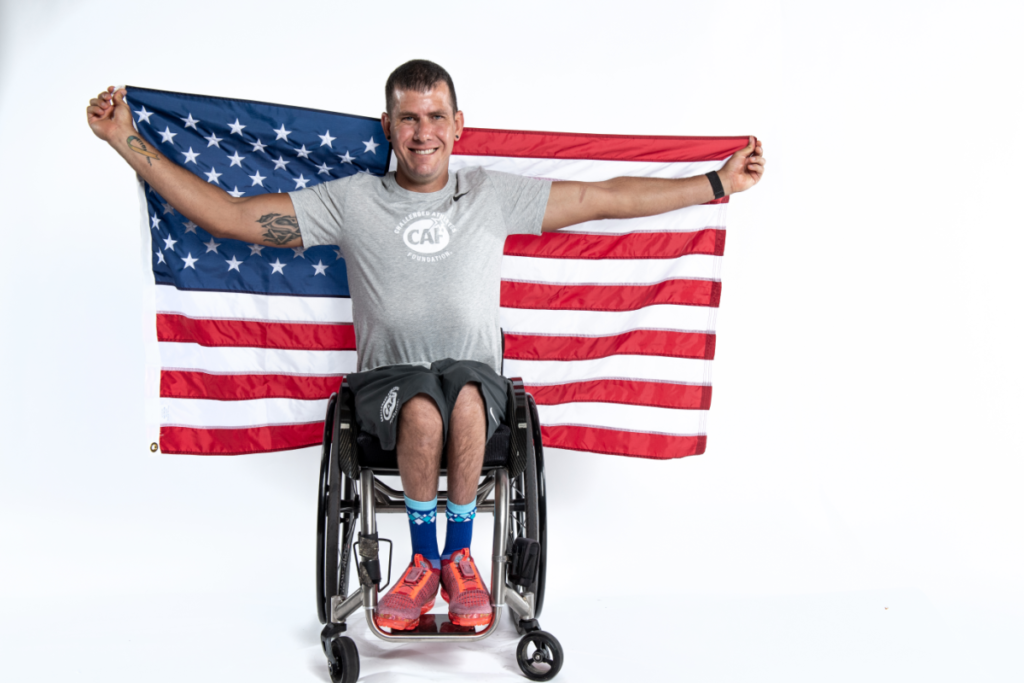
point(153, 448)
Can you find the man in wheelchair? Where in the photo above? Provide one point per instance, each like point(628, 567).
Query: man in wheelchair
point(423, 249)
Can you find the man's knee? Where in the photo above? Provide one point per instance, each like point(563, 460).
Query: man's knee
point(470, 398)
point(420, 423)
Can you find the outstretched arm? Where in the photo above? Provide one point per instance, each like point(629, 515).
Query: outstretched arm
point(576, 202)
point(264, 219)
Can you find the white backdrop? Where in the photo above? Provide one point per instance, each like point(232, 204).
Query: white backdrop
point(858, 513)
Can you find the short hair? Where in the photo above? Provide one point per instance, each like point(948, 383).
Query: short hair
point(419, 75)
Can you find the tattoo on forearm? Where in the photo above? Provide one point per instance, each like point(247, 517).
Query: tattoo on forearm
point(138, 145)
point(281, 229)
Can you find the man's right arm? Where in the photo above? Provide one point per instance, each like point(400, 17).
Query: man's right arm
point(264, 219)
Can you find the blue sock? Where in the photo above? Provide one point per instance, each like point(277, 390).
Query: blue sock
point(459, 529)
point(423, 529)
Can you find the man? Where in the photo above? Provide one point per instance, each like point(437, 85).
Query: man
point(423, 250)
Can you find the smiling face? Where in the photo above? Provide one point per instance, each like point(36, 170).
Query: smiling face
point(422, 129)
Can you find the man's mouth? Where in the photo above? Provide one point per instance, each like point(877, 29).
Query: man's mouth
point(425, 152)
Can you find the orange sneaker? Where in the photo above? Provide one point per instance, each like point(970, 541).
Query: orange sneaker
point(469, 603)
point(410, 597)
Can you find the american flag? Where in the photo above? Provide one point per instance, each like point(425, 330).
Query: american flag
point(611, 324)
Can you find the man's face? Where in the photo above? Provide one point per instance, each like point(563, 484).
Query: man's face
point(422, 134)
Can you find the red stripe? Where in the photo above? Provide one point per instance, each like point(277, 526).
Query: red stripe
point(631, 392)
point(186, 384)
point(611, 297)
point(543, 145)
point(303, 336)
point(189, 441)
point(639, 245)
point(615, 442)
point(634, 343)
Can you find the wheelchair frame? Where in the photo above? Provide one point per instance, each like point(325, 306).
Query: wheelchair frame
point(350, 491)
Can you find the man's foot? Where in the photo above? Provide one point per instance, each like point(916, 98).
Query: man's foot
point(411, 596)
point(469, 603)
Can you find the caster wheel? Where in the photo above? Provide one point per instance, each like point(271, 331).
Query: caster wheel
point(539, 655)
point(345, 667)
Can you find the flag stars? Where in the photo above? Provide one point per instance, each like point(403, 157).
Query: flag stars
point(326, 139)
point(167, 208)
point(211, 245)
point(337, 252)
point(190, 262)
point(371, 146)
point(213, 140)
point(169, 243)
point(235, 192)
point(236, 127)
point(277, 266)
point(302, 152)
point(144, 115)
point(320, 268)
point(190, 156)
point(257, 179)
point(280, 163)
point(324, 168)
point(212, 176)
point(191, 122)
point(300, 181)
point(255, 250)
point(346, 158)
point(156, 221)
point(300, 252)
point(282, 134)
point(236, 160)
point(257, 146)
point(167, 135)
point(160, 257)
point(190, 227)
point(233, 264)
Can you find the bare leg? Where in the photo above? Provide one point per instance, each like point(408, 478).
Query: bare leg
point(420, 440)
point(467, 435)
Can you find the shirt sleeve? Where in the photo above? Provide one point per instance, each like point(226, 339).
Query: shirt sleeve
point(523, 201)
point(318, 210)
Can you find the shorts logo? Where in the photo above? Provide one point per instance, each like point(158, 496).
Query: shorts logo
point(491, 410)
point(428, 233)
point(387, 408)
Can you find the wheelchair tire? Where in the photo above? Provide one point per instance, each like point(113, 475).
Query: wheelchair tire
point(545, 661)
point(335, 522)
point(345, 667)
point(322, 523)
point(542, 510)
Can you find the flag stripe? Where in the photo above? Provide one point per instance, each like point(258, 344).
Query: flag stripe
point(690, 219)
point(626, 271)
point(190, 441)
point(610, 298)
point(585, 170)
point(626, 417)
point(185, 384)
point(261, 412)
point(662, 394)
point(178, 328)
point(644, 245)
point(621, 442)
point(636, 342)
point(244, 361)
point(570, 322)
point(643, 368)
point(540, 144)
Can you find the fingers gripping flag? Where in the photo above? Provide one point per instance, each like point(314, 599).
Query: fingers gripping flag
point(611, 324)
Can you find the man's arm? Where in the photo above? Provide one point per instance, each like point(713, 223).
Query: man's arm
point(572, 202)
point(264, 219)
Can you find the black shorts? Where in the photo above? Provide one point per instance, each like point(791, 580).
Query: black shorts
point(380, 394)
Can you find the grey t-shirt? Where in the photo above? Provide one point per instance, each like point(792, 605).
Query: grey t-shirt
point(424, 269)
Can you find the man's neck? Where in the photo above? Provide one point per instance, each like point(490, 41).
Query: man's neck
point(407, 183)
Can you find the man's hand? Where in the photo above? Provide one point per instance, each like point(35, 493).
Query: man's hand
point(108, 114)
point(743, 169)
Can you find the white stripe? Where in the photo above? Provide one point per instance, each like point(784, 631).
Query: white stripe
point(244, 360)
point(610, 271)
point(586, 170)
point(653, 368)
point(196, 412)
point(260, 307)
point(690, 219)
point(598, 323)
point(626, 417)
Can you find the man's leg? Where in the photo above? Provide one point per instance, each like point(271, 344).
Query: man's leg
point(420, 441)
point(467, 435)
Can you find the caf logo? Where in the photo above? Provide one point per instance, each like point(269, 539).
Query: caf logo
point(387, 408)
point(426, 236)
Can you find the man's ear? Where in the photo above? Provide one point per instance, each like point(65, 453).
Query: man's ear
point(385, 123)
point(459, 123)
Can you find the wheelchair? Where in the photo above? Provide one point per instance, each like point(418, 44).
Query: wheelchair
point(351, 493)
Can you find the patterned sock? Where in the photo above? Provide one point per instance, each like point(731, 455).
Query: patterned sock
point(423, 529)
point(459, 529)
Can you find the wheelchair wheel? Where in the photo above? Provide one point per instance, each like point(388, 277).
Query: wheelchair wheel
point(344, 666)
point(529, 508)
point(539, 656)
point(542, 509)
point(336, 521)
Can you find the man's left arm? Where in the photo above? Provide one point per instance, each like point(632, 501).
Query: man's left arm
point(573, 202)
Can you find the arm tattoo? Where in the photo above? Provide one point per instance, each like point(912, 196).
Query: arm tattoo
point(138, 145)
point(280, 229)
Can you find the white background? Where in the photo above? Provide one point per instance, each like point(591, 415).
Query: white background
point(858, 513)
